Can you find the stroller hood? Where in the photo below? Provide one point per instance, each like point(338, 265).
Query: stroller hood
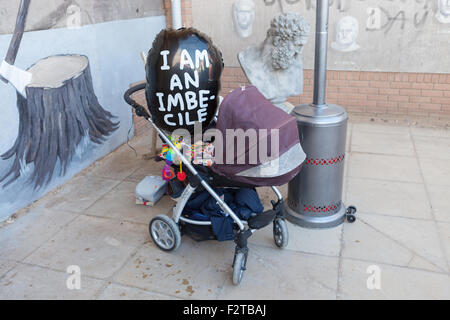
point(260, 143)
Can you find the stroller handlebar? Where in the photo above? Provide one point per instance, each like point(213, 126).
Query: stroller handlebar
point(140, 110)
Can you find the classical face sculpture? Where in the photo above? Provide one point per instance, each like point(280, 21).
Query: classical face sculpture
point(347, 33)
point(275, 66)
point(244, 16)
point(443, 12)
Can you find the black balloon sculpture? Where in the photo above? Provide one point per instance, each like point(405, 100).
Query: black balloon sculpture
point(183, 79)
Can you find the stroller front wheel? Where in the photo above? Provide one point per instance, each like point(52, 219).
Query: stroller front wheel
point(165, 233)
point(280, 233)
point(239, 267)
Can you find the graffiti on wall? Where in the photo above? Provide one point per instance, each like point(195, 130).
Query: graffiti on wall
point(381, 17)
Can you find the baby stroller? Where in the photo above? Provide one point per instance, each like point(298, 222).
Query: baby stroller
point(243, 108)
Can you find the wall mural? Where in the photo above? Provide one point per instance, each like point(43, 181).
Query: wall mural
point(57, 109)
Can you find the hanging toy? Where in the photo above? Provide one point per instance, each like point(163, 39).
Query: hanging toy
point(181, 175)
point(167, 172)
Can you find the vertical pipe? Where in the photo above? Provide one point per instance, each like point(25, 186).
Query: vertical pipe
point(320, 61)
point(176, 14)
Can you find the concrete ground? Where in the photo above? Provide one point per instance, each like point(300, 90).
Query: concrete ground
point(399, 248)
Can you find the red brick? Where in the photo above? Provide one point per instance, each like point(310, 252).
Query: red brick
point(364, 75)
point(401, 85)
point(389, 104)
point(427, 77)
point(430, 106)
point(420, 77)
point(369, 90)
point(407, 105)
point(379, 84)
point(399, 98)
point(389, 91)
point(338, 83)
point(377, 97)
point(442, 100)
point(410, 92)
point(358, 83)
point(432, 93)
point(442, 86)
point(420, 85)
point(412, 77)
point(348, 90)
point(420, 99)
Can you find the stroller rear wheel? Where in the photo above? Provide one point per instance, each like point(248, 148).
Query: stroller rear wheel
point(165, 233)
point(239, 267)
point(280, 233)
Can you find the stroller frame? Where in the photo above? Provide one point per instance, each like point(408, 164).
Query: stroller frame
point(170, 227)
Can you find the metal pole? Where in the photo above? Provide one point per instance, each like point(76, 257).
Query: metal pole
point(176, 14)
point(320, 61)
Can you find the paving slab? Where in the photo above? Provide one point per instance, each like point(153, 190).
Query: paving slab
point(33, 228)
point(382, 143)
point(147, 168)
point(435, 171)
point(197, 270)
point(319, 241)
point(395, 282)
point(384, 167)
point(33, 282)
point(389, 198)
point(120, 203)
point(393, 240)
point(433, 147)
point(122, 162)
point(98, 246)
point(78, 194)
point(284, 274)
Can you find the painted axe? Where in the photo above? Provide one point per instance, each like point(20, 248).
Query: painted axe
point(8, 72)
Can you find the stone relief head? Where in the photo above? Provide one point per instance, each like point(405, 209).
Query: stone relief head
point(346, 34)
point(289, 33)
point(244, 16)
point(443, 12)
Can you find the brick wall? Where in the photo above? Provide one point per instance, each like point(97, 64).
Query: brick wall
point(417, 97)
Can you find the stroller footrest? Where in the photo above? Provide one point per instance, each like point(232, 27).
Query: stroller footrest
point(262, 220)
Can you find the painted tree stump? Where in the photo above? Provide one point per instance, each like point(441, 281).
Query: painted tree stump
point(61, 109)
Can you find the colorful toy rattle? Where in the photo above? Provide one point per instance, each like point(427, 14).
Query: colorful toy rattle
point(167, 172)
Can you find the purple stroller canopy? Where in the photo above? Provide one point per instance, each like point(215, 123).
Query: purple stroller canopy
point(260, 144)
